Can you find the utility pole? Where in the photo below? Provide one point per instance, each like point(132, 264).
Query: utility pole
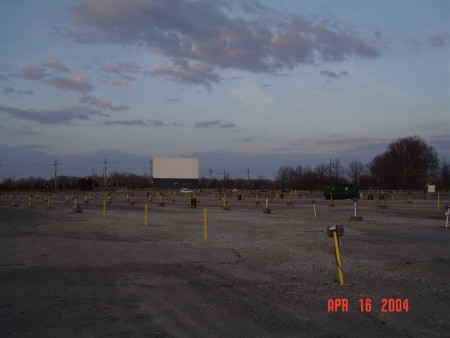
point(92, 178)
point(331, 175)
point(55, 164)
point(210, 170)
point(248, 177)
point(151, 172)
point(151, 167)
point(105, 162)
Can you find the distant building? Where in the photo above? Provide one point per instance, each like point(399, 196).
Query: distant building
point(175, 172)
point(430, 188)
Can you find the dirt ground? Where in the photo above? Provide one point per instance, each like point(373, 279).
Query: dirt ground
point(65, 274)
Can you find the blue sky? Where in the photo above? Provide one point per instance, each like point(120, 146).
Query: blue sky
point(238, 84)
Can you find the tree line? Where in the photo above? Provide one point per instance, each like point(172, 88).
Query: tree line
point(407, 163)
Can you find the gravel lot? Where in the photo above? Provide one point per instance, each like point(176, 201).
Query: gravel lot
point(65, 274)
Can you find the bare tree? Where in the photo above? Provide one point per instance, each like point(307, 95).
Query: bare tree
point(284, 177)
point(444, 175)
point(310, 180)
point(407, 163)
point(337, 171)
point(354, 171)
point(323, 173)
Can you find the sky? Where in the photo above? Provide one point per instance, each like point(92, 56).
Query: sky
point(239, 84)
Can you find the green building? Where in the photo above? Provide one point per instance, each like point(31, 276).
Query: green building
point(341, 191)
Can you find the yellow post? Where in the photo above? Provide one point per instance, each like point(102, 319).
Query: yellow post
point(146, 215)
point(104, 209)
point(76, 202)
point(204, 224)
point(338, 258)
point(330, 203)
point(438, 206)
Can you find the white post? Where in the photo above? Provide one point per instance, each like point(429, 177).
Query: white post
point(447, 212)
point(314, 208)
point(267, 202)
point(355, 205)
